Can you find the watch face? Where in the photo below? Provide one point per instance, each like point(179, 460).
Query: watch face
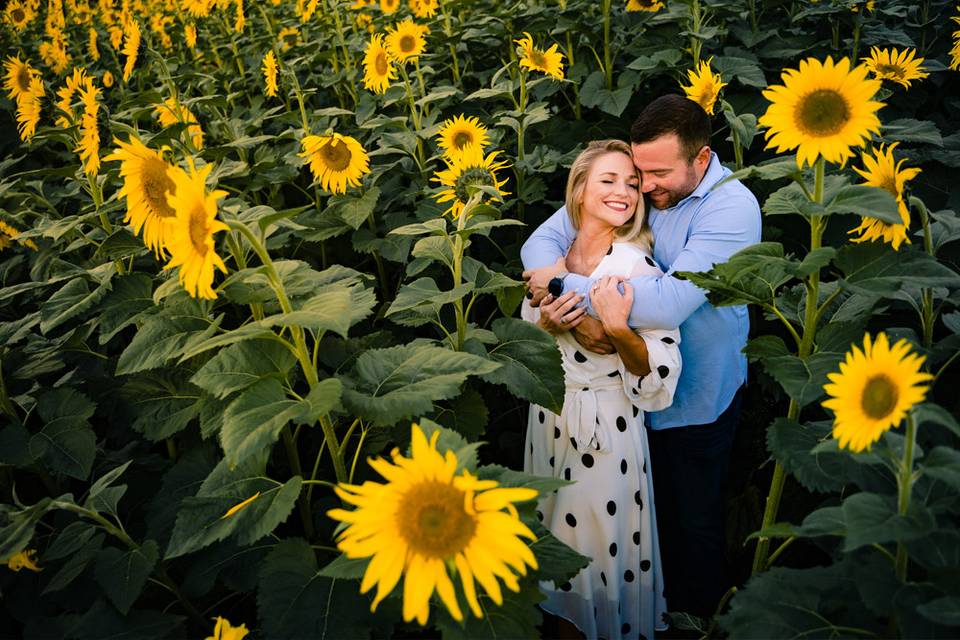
point(555, 287)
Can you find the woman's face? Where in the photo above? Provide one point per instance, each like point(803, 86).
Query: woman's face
point(612, 190)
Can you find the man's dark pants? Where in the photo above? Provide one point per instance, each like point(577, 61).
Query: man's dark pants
point(689, 471)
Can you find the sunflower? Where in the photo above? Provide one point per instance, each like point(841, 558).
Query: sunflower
point(309, 11)
point(190, 35)
point(270, 73)
point(146, 185)
point(223, 630)
point(869, 5)
point(336, 161)
point(116, 37)
point(389, 6)
point(549, 62)
point(240, 21)
point(424, 8)
point(158, 24)
point(54, 53)
point(66, 94)
point(18, 76)
point(405, 41)
point(288, 37)
point(378, 69)
point(364, 22)
point(822, 109)
point(426, 519)
point(18, 15)
point(89, 146)
point(704, 86)
point(197, 8)
point(171, 112)
point(955, 51)
point(645, 5)
point(190, 236)
point(899, 66)
point(107, 79)
point(874, 390)
point(92, 48)
point(9, 233)
point(456, 134)
point(465, 172)
point(26, 559)
point(28, 109)
point(881, 170)
point(131, 47)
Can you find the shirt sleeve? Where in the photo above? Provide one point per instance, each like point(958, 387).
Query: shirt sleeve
point(551, 240)
point(655, 390)
point(716, 233)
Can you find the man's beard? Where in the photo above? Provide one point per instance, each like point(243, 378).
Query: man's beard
point(673, 197)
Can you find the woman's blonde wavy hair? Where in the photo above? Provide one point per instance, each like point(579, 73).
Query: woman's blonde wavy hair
point(636, 229)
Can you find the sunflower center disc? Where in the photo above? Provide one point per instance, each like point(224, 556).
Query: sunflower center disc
point(198, 230)
point(336, 155)
point(381, 64)
point(462, 139)
point(156, 184)
point(17, 15)
point(823, 113)
point(407, 44)
point(433, 521)
point(538, 59)
point(891, 69)
point(23, 78)
point(472, 177)
point(879, 397)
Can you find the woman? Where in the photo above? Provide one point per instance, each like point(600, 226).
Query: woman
point(598, 441)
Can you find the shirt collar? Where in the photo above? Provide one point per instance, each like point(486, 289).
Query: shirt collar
point(715, 173)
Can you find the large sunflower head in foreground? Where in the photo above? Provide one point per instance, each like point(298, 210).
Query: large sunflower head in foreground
point(704, 86)
point(17, 76)
point(901, 67)
point(822, 109)
point(190, 237)
point(883, 171)
point(645, 5)
point(406, 40)
point(873, 391)
point(464, 173)
point(459, 133)
point(378, 69)
point(427, 518)
point(147, 183)
point(336, 161)
point(549, 61)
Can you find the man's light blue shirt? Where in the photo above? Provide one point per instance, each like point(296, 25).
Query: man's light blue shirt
point(703, 229)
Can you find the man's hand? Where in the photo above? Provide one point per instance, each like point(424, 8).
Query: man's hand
point(561, 314)
point(589, 333)
point(538, 279)
point(611, 306)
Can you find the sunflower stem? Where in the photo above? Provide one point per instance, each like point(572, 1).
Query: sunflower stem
point(521, 130)
point(905, 480)
point(811, 316)
point(448, 31)
point(695, 23)
point(576, 89)
point(607, 56)
point(457, 270)
point(414, 117)
point(928, 316)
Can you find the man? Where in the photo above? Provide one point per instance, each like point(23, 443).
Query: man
point(695, 226)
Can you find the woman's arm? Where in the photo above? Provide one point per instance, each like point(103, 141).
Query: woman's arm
point(631, 348)
point(613, 309)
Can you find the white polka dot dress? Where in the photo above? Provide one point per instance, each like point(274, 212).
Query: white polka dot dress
point(599, 442)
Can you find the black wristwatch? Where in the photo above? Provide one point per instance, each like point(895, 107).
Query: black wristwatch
point(555, 287)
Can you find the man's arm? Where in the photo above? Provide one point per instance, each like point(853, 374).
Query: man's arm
point(550, 241)
point(715, 235)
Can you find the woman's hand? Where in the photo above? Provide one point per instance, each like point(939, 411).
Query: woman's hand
point(558, 315)
point(612, 307)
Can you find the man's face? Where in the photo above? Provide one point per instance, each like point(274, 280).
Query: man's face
point(667, 175)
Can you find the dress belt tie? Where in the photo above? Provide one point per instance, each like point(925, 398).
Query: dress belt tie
point(580, 419)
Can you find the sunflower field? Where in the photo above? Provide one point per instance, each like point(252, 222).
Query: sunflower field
point(262, 371)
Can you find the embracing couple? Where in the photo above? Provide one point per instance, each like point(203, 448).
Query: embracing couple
point(654, 373)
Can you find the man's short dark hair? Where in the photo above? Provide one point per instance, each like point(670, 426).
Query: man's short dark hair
point(674, 114)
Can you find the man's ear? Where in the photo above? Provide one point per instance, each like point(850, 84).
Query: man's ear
point(703, 156)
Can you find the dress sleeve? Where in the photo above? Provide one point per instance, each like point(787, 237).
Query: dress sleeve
point(529, 313)
point(655, 390)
